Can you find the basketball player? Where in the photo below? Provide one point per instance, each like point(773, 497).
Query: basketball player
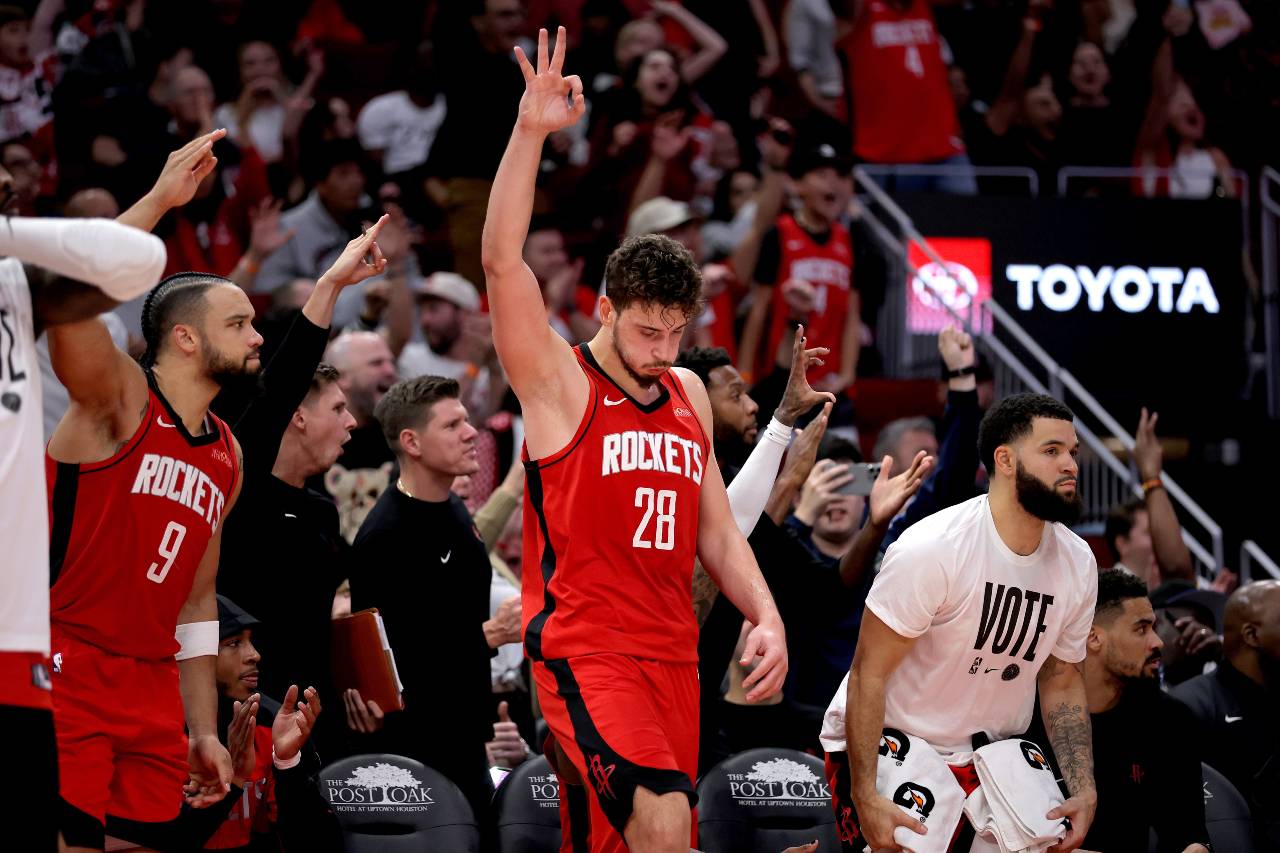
point(972, 609)
point(623, 491)
point(85, 267)
point(140, 476)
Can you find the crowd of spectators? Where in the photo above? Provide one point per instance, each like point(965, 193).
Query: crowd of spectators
point(385, 432)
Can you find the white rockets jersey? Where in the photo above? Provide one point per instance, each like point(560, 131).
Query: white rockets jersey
point(24, 519)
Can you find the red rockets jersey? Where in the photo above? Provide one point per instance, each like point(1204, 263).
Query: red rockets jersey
point(902, 106)
point(127, 533)
point(829, 268)
point(611, 528)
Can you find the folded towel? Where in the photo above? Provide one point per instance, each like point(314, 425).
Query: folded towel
point(1016, 790)
point(911, 773)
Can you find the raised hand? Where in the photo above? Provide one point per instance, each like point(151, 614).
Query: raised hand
point(550, 101)
point(184, 169)
point(294, 722)
point(361, 258)
point(889, 496)
point(799, 396)
point(669, 139)
point(507, 749)
point(1148, 455)
point(265, 234)
point(956, 348)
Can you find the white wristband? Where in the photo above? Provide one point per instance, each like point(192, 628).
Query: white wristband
point(197, 639)
point(287, 764)
point(778, 432)
point(121, 261)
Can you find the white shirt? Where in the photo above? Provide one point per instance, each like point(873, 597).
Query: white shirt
point(24, 510)
point(266, 129)
point(402, 130)
point(985, 620)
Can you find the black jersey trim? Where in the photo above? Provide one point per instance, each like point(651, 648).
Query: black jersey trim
point(533, 635)
point(66, 483)
point(647, 408)
point(214, 433)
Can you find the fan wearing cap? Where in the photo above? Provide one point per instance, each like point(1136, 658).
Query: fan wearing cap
point(804, 275)
point(456, 342)
point(277, 796)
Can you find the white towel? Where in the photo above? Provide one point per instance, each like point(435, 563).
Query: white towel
point(1016, 790)
point(912, 774)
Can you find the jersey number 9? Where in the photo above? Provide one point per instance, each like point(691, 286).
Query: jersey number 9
point(170, 544)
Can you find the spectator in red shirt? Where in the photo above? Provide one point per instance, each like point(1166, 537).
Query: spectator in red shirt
point(903, 111)
point(804, 275)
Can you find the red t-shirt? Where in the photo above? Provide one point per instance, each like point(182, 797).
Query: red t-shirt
point(128, 533)
point(902, 106)
point(828, 266)
point(611, 528)
point(256, 812)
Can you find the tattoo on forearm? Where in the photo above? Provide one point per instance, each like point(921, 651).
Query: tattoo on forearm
point(1072, 738)
point(704, 593)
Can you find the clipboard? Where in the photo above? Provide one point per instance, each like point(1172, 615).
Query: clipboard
point(362, 658)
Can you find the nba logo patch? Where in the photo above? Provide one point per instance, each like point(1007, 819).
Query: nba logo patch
point(57, 662)
point(682, 412)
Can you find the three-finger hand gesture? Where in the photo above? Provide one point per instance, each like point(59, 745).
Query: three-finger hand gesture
point(361, 258)
point(184, 170)
point(800, 396)
point(1148, 455)
point(550, 101)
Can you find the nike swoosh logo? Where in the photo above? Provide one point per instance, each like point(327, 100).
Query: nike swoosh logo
point(160, 420)
point(446, 557)
point(289, 515)
point(609, 402)
point(992, 669)
point(1231, 719)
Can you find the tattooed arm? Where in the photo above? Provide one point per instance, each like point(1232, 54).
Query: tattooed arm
point(1066, 719)
point(704, 593)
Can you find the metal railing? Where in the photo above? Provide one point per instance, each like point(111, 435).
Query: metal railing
point(1019, 363)
point(939, 170)
point(1250, 553)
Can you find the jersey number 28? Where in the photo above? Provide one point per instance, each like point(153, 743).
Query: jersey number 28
point(170, 544)
point(663, 505)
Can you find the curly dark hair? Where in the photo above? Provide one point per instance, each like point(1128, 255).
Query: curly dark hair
point(653, 269)
point(407, 405)
point(1010, 419)
point(177, 299)
point(703, 360)
point(1115, 587)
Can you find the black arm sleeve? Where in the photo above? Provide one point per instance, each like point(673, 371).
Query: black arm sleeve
point(770, 258)
point(285, 382)
point(303, 820)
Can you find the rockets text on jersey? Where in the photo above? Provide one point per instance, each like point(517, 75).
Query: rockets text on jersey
point(611, 527)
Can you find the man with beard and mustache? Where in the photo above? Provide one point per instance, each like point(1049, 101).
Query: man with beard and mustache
point(1145, 782)
point(1236, 706)
point(972, 608)
point(623, 493)
point(141, 474)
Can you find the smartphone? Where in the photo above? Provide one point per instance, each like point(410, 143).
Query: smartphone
point(864, 477)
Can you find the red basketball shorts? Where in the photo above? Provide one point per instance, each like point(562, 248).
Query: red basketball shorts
point(122, 745)
point(625, 723)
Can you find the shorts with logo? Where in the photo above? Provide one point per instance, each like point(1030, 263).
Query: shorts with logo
point(624, 723)
point(26, 711)
point(847, 826)
point(122, 744)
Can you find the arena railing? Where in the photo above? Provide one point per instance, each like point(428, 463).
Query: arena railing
point(938, 170)
point(1020, 364)
point(1250, 554)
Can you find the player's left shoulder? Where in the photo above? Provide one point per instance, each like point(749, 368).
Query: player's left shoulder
point(1074, 547)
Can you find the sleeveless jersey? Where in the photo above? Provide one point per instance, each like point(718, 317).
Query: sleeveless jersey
point(902, 106)
point(829, 268)
point(611, 528)
point(128, 533)
point(24, 534)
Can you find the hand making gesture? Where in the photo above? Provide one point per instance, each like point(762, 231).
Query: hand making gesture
point(800, 396)
point(550, 101)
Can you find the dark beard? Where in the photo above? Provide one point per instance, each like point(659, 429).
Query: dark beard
point(641, 379)
point(1044, 502)
point(236, 377)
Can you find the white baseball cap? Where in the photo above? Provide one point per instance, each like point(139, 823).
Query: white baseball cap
point(450, 287)
point(657, 215)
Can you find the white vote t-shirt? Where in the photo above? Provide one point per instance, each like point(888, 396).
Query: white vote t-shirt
point(985, 620)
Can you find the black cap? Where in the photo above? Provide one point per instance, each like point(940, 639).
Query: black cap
point(1209, 605)
point(232, 618)
point(806, 160)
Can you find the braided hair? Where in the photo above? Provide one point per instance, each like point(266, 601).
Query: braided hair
point(176, 299)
